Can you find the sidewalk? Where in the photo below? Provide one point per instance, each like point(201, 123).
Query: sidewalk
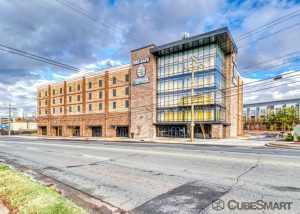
point(284, 145)
point(242, 141)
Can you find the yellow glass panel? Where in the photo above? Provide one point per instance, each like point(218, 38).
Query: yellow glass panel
point(171, 116)
point(208, 99)
point(175, 116)
point(200, 115)
point(189, 116)
point(200, 99)
point(180, 116)
point(208, 115)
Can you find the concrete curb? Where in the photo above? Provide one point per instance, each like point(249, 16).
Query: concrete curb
point(3, 208)
point(283, 145)
point(145, 141)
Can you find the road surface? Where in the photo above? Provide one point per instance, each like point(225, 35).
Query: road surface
point(168, 178)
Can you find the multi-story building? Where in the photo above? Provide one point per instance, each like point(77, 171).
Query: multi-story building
point(153, 95)
point(254, 111)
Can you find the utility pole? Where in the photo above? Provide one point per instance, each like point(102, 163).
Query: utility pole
point(194, 61)
point(9, 119)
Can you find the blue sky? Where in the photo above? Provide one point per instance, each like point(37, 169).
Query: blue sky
point(49, 29)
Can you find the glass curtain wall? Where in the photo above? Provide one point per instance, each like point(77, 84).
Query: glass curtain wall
point(174, 85)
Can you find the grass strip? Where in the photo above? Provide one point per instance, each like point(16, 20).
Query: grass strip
point(30, 197)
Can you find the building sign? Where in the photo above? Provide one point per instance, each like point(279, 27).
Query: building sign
point(141, 60)
point(141, 71)
point(142, 80)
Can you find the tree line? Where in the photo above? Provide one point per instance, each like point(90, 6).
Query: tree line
point(283, 119)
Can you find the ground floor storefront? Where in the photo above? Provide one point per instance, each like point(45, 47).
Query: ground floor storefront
point(118, 126)
point(114, 125)
point(201, 131)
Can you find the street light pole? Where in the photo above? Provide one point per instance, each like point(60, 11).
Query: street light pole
point(194, 61)
point(9, 118)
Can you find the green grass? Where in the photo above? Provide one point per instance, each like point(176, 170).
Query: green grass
point(31, 197)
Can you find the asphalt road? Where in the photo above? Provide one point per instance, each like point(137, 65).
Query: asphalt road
point(168, 178)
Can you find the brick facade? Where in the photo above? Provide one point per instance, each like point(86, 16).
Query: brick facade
point(85, 103)
point(143, 96)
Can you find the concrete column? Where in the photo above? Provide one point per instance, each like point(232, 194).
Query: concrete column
point(83, 95)
point(217, 131)
point(65, 98)
point(49, 112)
point(106, 104)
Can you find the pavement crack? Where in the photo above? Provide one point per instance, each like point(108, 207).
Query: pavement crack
point(237, 179)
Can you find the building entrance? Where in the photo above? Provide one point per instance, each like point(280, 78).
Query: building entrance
point(76, 131)
point(122, 131)
point(96, 131)
point(177, 131)
point(58, 131)
point(43, 130)
point(199, 131)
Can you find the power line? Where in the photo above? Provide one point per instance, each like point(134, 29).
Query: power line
point(289, 56)
point(84, 13)
point(269, 24)
point(272, 34)
point(36, 57)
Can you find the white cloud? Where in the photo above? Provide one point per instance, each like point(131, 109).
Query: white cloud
point(285, 88)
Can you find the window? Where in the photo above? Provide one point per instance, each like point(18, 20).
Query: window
point(78, 87)
point(70, 88)
point(127, 77)
point(100, 94)
point(70, 108)
point(114, 92)
point(78, 98)
point(60, 100)
point(100, 83)
point(90, 85)
point(46, 102)
point(61, 90)
point(40, 94)
point(114, 105)
point(53, 101)
point(53, 92)
point(46, 94)
point(100, 106)
point(40, 103)
point(90, 107)
point(70, 98)
point(60, 109)
point(46, 112)
point(114, 79)
point(53, 110)
point(90, 96)
point(126, 103)
point(127, 91)
point(78, 108)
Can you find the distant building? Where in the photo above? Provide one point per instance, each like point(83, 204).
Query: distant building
point(18, 125)
point(252, 112)
point(256, 110)
point(24, 125)
point(4, 120)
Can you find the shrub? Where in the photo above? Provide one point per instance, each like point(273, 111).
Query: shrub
point(298, 138)
point(289, 137)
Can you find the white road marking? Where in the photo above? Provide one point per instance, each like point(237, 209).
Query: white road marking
point(32, 149)
point(95, 157)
